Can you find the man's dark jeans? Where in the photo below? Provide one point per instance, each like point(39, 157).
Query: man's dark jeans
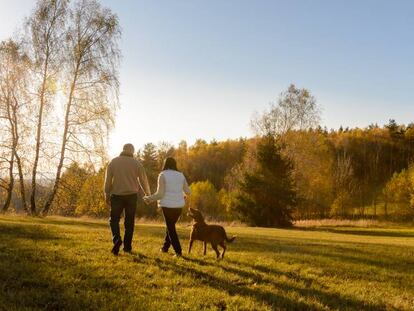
point(119, 203)
point(171, 216)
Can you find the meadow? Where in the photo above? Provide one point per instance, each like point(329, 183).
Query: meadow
point(59, 263)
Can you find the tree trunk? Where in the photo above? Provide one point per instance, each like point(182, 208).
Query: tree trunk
point(18, 160)
point(51, 197)
point(10, 187)
point(21, 183)
point(38, 135)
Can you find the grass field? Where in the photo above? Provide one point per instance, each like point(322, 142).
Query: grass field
point(65, 264)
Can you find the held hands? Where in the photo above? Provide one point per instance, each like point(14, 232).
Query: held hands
point(147, 200)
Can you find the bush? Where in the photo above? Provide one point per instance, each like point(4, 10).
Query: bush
point(91, 199)
point(204, 197)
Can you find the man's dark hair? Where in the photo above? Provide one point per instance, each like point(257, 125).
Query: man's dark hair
point(170, 164)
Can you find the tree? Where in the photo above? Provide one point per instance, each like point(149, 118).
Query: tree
point(312, 156)
point(400, 191)
point(227, 200)
point(344, 185)
point(91, 83)
point(164, 150)
point(13, 78)
point(70, 190)
point(204, 197)
point(266, 195)
point(46, 31)
point(149, 159)
point(213, 161)
point(296, 109)
point(91, 198)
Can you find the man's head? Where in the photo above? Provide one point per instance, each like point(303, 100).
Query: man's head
point(129, 149)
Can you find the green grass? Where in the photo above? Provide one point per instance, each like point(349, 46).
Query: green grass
point(65, 264)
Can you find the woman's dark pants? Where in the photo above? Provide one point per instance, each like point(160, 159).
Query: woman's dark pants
point(171, 216)
point(119, 203)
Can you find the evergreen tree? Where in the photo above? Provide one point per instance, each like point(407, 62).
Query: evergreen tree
point(266, 196)
point(149, 159)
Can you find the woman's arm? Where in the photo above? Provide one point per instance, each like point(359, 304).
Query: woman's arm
point(160, 189)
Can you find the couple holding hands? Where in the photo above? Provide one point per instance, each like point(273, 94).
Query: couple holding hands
point(125, 177)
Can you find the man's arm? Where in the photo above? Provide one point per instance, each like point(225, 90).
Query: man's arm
point(143, 180)
point(108, 182)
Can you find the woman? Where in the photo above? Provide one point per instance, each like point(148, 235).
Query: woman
point(172, 187)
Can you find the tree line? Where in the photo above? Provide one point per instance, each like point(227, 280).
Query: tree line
point(277, 176)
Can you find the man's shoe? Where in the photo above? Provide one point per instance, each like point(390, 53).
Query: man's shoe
point(163, 250)
point(117, 245)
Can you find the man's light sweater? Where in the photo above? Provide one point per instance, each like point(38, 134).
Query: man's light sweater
point(125, 175)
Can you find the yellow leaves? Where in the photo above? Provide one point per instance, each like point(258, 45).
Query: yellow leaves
point(203, 196)
point(91, 198)
point(52, 85)
point(400, 190)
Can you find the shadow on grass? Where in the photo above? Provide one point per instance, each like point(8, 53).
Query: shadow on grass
point(344, 252)
point(260, 273)
point(75, 223)
point(35, 278)
point(270, 298)
point(363, 232)
point(15, 231)
point(54, 221)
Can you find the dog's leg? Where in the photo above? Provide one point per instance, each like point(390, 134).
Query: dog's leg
point(205, 248)
point(190, 245)
point(224, 249)
point(214, 246)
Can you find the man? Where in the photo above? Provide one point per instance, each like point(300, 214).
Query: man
point(124, 178)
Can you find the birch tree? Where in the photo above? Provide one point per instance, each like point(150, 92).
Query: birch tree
point(13, 99)
point(90, 83)
point(296, 109)
point(45, 34)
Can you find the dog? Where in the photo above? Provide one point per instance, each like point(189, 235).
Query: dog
point(213, 234)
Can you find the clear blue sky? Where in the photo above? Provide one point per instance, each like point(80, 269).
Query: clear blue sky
point(199, 69)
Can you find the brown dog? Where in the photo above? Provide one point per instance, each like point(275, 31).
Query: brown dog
point(213, 234)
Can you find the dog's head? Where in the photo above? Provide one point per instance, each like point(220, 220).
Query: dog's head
point(196, 215)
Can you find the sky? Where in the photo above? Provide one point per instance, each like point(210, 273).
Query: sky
point(201, 69)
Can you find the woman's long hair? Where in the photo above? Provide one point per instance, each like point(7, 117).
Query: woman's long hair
point(170, 164)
